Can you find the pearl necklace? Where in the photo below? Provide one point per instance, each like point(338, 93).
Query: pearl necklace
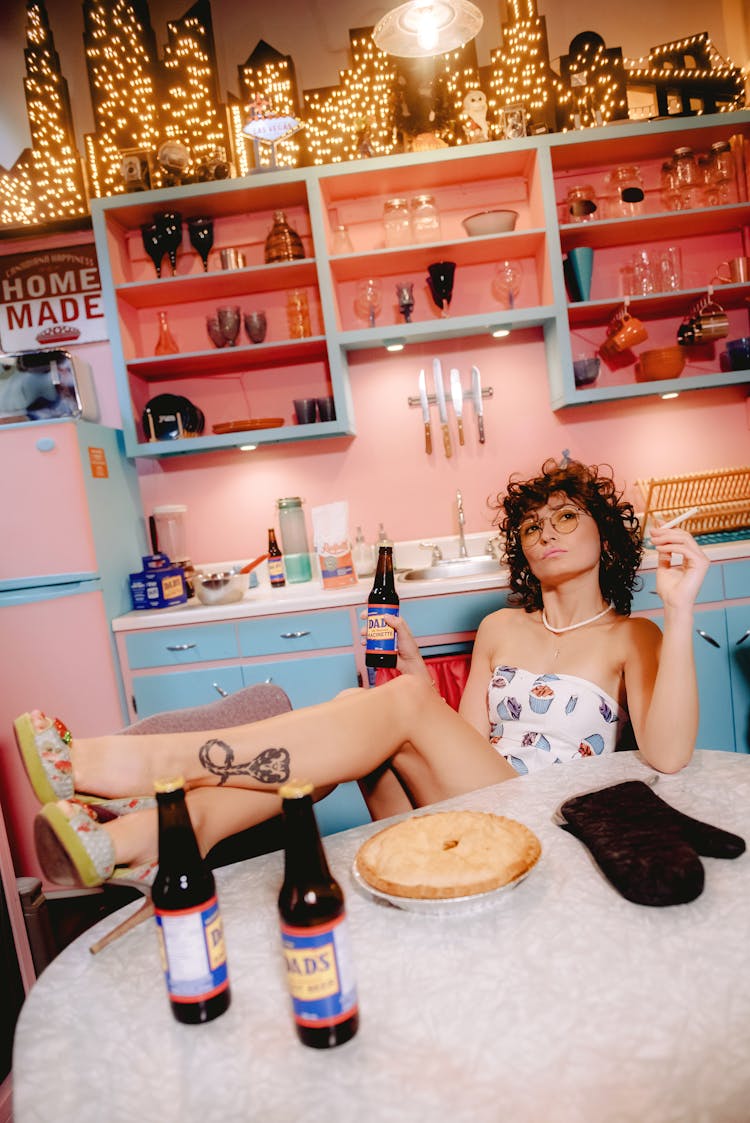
point(572, 627)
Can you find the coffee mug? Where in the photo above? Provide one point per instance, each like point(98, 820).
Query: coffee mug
point(630, 332)
point(739, 271)
point(709, 324)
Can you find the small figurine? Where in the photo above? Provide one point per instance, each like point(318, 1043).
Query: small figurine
point(475, 108)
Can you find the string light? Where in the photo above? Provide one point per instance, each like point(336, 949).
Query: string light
point(269, 79)
point(520, 72)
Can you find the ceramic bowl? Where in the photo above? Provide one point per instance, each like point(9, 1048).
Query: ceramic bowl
point(660, 363)
point(220, 588)
point(738, 351)
point(489, 222)
point(586, 371)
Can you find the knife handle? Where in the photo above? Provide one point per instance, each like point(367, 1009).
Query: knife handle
point(460, 430)
point(427, 438)
point(447, 440)
point(480, 424)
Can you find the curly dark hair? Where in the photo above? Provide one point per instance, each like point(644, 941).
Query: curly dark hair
point(587, 488)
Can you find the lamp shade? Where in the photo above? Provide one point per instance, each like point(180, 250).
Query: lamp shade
point(423, 28)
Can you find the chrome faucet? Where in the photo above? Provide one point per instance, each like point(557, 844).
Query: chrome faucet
point(462, 551)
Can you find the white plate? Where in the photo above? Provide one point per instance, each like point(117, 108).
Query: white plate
point(448, 906)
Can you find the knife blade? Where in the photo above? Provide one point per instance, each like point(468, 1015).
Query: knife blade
point(476, 394)
point(457, 394)
point(437, 374)
point(425, 412)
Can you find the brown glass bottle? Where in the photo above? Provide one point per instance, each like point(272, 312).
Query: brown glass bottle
point(381, 646)
point(314, 931)
point(275, 562)
point(187, 914)
point(282, 243)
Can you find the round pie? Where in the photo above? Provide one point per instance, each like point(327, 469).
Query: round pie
point(447, 854)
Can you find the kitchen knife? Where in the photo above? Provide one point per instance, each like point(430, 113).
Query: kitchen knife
point(457, 394)
point(437, 374)
point(425, 412)
point(476, 394)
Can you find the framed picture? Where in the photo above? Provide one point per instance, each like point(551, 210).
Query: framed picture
point(42, 385)
point(512, 120)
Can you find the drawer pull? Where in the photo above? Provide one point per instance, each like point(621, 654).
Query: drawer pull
point(181, 646)
point(294, 635)
point(707, 637)
point(219, 690)
point(743, 638)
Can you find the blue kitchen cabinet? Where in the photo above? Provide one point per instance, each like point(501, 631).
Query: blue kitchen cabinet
point(738, 650)
point(152, 694)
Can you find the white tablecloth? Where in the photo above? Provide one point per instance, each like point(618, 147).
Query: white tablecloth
point(562, 1003)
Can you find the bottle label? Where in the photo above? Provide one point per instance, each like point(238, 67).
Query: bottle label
point(381, 637)
point(276, 571)
point(320, 972)
point(191, 942)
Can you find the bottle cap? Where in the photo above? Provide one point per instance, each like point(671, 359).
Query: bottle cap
point(169, 783)
point(295, 789)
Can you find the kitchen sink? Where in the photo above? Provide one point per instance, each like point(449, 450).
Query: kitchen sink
point(454, 567)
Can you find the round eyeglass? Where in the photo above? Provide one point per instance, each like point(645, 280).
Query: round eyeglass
point(564, 521)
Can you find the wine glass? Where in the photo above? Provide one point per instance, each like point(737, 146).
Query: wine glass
point(153, 244)
point(368, 300)
point(405, 297)
point(215, 334)
point(440, 282)
point(229, 323)
point(255, 326)
point(169, 224)
point(201, 232)
point(506, 284)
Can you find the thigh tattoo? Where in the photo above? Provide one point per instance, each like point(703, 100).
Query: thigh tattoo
point(271, 766)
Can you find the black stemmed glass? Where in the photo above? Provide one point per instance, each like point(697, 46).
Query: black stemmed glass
point(169, 224)
point(201, 232)
point(440, 281)
point(153, 244)
point(405, 297)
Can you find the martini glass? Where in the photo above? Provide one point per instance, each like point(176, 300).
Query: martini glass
point(201, 232)
point(153, 244)
point(169, 224)
point(440, 282)
point(368, 300)
point(405, 297)
point(506, 283)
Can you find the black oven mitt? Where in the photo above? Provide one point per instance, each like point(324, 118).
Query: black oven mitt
point(645, 848)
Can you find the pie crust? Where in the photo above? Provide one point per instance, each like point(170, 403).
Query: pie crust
point(447, 854)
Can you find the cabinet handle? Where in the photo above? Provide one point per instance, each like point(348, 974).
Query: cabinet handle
point(294, 635)
point(219, 690)
point(743, 638)
point(181, 646)
point(707, 637)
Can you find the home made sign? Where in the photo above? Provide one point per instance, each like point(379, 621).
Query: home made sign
point(50, 298)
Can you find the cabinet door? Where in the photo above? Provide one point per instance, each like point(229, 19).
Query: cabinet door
point(738, 647)
point(306, 681)
point(152, 694)
point(437, 616)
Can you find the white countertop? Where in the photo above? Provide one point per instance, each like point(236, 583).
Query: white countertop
point(561, 1002)
point(309, 595)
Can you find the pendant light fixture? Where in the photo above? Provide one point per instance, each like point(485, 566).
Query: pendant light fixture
point(424, 28)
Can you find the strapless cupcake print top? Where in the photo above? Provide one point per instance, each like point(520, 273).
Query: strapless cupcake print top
point(537, 720)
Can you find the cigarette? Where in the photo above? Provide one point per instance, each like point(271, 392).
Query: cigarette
point(679, 519)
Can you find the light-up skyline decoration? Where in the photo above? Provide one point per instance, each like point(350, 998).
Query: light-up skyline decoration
point(592, 88)
point(520, 71)
point(688, 74)
point(46, 182)
point(266, 77)
point(191, 111)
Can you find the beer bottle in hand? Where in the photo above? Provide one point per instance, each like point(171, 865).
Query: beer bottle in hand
point(381, 646)
point(314, 931)
point(191, 936)
point(275, 562)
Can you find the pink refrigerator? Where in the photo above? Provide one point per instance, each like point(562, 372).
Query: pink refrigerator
point(72, 532)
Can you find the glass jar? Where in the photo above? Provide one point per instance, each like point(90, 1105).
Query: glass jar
point(687, 178)
point(721, 175)
point(397, 223)
point(294, 539)
point(627, 194)
point(298, 314)
point(580, 204)
point(341, 242)
point(425, 219)
point(670, 191)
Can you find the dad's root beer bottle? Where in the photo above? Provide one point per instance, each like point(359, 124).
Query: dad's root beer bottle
point(381, 647)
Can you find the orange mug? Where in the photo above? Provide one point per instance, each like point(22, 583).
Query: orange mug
point(630, 332)
point(739, 271)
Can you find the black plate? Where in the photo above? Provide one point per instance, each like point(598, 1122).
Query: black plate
point(166, 413)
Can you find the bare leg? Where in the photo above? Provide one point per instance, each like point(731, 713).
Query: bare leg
point(434, 752)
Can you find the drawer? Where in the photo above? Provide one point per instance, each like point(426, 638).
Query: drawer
point(153, 694)
point(306, 681)
point(302, 631)
point(737, 579)
point(436, 616)
point(166, 647)
point(647, 599)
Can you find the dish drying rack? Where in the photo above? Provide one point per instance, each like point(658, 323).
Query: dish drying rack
point(723, 498)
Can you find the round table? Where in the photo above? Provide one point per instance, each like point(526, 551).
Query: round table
point(562, 1002)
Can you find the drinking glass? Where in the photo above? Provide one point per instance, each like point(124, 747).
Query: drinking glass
point(169, 224)
point(153, 244)
point(215, 334)
point(405, 297)
point(255, 326)
point(201, 232)
point(368, 300)
point(506, 284)
point(670, 269)
point(229, 322)
point(440, 282)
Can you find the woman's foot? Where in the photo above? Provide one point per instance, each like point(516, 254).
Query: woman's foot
point(44, 745)
point(76, 849)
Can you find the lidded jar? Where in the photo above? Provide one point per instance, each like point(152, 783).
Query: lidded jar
point(283, 243)
point(397, 222)
point(687, 178)
point(720, 172)
point(425, 219)
point(294, 539)
point(580, 203)
point(627, 191)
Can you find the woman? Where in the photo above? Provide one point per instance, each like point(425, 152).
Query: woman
point(573, 550)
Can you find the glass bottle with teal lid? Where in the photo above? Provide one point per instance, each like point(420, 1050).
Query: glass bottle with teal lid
point(294, 539)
